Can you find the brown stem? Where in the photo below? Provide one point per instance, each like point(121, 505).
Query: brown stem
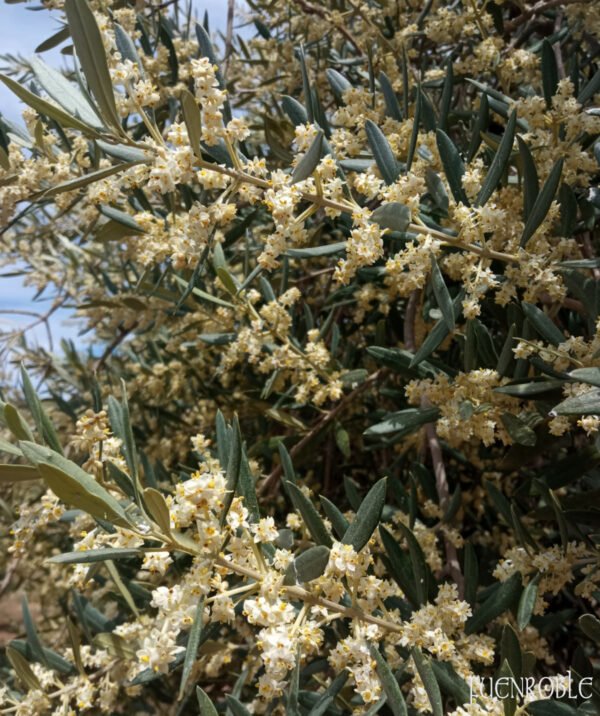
point(229, 33)
point(269, 484)
point(311, 9)
point(124, 332)
point(538, 8)
point(441, 484)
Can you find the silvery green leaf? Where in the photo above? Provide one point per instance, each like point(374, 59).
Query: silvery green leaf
point(549, 72)
point(505, 596)
point(124, 152)
point(127, 48)
point(46, 108)
point(90, 52)
point(65, 93)
point(395, 699)
point(393, 216)
point(499, 162)
point(442, 295)
point(367, 517)
point(429, 680)
point(311, 517)
point(339, 84)
point(454, 167)
point(403, 422)
point(583, 404)
point(392, 107)
point(88, 556)
point(542, 203)
point(309, 162)
point(310, 564)
point(382, 152)
point(543, 324)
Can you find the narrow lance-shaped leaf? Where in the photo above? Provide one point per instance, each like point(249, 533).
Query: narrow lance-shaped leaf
point(590, 626)
point(549, 72)
point(446, 98)
point(339, 84)
point(430, 683)
point(395, 699)
point(393, 216)
point(392, 107)
point(65, 93)
point(32, 636)
point(499, 162)
point(335, 516)
point(590, 89)
point(205, 704)
point(543, 324)
point(89, 556)
point(16, 423)
point(121, 217)
point(310, 564)
point(403, 422)
point(118, 413)
point(583, 404)
point(18, 473)
point(530, 178)
point(74, 486)
point(454, 167)
point(442, 295)
point(85, 180)
point(191, 649)
point(328, 696)
point(504, 597)
point(480, 125)
point(42, 421)
point(22, 669)
point(421, 571)
point(233, 468)
point(542, 204)
point(414, 135)
point(367, 518)
point(63, 118)
point(437, 334)
point(191, 117)
point(236, 707)
point(310, 160)
point(311, 517)
point(90, 52)
point(382, 152)
point(127, 48)
point(527, 602)
point(400, 568)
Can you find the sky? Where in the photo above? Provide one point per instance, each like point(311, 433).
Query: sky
point(21, 30)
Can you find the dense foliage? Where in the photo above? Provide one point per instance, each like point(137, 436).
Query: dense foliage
point(328, 442)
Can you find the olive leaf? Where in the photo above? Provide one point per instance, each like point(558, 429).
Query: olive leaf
point(499, 162)
point(504, 597)
point(542, 203)
point(382, 152)
point(454, 167)
point(367, 517)
point(89, 556)
point(395, 699)
point(46, 108)
point(310, 160)
point(90, 52)
point(429, 680)
point(311, 517)
point(393, 216)
point(74, 486)
point(65, 93)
